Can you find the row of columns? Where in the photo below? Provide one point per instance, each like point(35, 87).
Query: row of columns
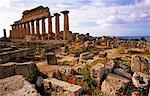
point(23, 29)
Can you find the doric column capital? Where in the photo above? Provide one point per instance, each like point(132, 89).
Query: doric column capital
point(56, 14)
point(64, 12)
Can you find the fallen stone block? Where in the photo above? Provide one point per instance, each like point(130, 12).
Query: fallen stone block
point(51, 58)
point(139, 64)
point(16, 86)
point(97, 73)
point(55, 87)
point(113, 83)
point(86, 56)
point(140, 80)
point(122, 72)
point(109, 66)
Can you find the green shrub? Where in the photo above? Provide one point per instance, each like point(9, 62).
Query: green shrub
point(86, 74)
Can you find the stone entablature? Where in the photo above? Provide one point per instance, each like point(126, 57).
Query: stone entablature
point(36, 13)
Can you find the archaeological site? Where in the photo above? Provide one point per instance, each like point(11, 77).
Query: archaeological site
point(35, 60)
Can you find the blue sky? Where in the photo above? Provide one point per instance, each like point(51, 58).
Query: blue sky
point(97, 17)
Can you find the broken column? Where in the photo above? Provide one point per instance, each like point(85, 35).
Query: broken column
point(43, 28)
point(4, 30)
point(66, 25)
point(57, 30)
point(51, 58)
point(50, 31)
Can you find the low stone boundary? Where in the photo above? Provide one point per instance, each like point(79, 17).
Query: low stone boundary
point(26, 69)
point(10, 55)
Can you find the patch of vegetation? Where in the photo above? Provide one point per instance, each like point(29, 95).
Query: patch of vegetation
point(103, 61)
point(86, 74)
point(147, 52)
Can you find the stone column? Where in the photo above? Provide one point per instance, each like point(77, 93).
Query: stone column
point(57, 30)
point(38, 29)
point(66, 25)
point(43, 28)
point(13, 31)
point(4, 30)
point(50, 30)
point(21, 30)
point(32, 27)
point(25, 30)
point(17, 32)
point(28, 28)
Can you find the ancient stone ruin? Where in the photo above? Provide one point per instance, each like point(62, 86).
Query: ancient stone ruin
point(24, 29)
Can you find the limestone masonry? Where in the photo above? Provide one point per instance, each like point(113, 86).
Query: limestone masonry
point(24, 29)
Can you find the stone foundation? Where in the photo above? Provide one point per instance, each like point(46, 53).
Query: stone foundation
point(11, 55)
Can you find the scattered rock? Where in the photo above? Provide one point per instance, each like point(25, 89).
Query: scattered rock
point(39, 81)
point(102, 54)
point(16, 86)
point(140, 80)
point(139, 64)
point(55, 87)
point(113, 83)
point(51, 58)
point(122, 72)
point(97, 73)
point(86, 56)
point(109, 66)
point(135, 93)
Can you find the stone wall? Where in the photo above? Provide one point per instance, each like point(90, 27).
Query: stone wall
point(26, 69)
point(11, 55)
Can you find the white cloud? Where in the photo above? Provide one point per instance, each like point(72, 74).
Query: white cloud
point(99, 17)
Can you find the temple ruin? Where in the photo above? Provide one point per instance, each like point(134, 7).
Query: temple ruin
point(28, 28)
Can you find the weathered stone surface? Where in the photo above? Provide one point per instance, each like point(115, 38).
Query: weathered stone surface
point(135, 93)
point(16, 86)
point(97, 73)
point(140, 80)
point(55, 87)
point(51, 58)
point(109, 66)
point(102, 54)
point(122, 72)
point(139, 64)
point(11, 55)
point(65, 70)
point(86, 56)
point(113, 83)
point(40, 12)
point(7, 70)
point(26, 69)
